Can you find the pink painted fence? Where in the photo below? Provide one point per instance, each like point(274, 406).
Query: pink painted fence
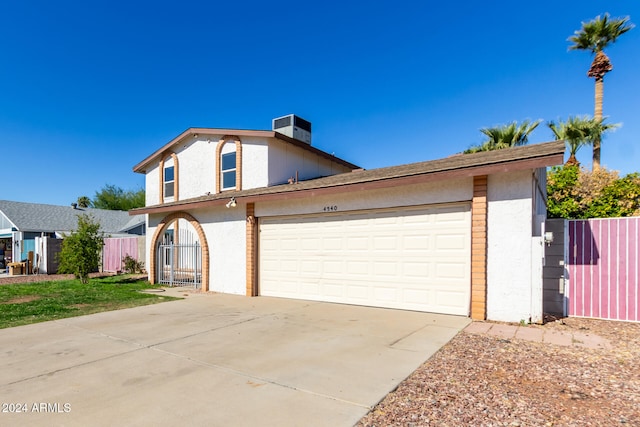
point(116, 248)
point(603, 263)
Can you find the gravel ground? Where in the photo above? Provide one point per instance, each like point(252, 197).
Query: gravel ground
point(481, 380)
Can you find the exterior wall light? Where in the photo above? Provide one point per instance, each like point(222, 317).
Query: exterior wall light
point(231, 203)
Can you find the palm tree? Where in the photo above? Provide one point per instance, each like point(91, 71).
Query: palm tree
point(505, 136)
point(579, 131)
point(84, 201)
point(595, 36)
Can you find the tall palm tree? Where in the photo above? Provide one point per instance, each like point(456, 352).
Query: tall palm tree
point(579, 131)
point(505, 136)
point(595, 36)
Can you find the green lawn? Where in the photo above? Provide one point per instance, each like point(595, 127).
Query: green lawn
point(25, 303)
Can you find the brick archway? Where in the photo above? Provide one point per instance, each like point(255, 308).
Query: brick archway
point(162, 226)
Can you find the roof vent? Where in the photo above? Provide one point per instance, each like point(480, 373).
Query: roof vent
point(293, 127)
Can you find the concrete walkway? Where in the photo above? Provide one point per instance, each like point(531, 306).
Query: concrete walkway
point(537, 334)
point(214, 360)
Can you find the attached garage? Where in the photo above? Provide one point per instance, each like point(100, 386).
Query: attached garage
point(462, 235)
point(415, 258)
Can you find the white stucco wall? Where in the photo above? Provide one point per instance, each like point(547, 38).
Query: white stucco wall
point(152, 186)
point(287, 159)
point(225, 230)
point(196, 167)
point(454, 190)
point(264, 162)
point(509, 246)
point(255, 158)
point(226, 236)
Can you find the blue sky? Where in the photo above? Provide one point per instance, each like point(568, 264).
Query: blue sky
point(89, 89)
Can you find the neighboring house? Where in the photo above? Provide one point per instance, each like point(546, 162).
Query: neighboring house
point(261, 213)
point(22, 223)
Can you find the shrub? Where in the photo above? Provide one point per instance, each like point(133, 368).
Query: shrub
point(132, 266)
point(575, 193)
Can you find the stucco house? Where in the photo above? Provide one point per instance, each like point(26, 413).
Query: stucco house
point(22, 225)
point(259, 212)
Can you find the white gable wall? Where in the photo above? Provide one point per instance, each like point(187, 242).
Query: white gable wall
point(264, 162)
point(255, 158)
point(196, 168)
point(287, 159)
point(152, 186)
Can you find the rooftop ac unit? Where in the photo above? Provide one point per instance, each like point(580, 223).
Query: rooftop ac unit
point(294, 127)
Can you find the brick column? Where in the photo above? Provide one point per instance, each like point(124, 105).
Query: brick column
point(479, 249)
point(252, 256)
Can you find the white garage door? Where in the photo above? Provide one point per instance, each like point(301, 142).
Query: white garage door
point(415, 259)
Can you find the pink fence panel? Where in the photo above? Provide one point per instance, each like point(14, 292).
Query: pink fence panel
point(116, 248)
point(603, 265)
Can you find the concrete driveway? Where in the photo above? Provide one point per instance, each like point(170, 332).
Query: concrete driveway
point(214, 360)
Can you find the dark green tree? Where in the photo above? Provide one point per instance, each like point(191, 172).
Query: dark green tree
point(114, 198)
point(80, 253)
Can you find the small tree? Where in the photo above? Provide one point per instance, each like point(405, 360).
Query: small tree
point(80, 254)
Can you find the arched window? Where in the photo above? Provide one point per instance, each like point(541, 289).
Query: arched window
point(169, 178)
point(169, 181)
point(229, 164)
point(228, 170)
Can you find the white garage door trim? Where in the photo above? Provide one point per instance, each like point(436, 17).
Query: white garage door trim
point(416, 258)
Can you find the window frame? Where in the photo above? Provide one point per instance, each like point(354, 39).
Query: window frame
point(169, 184)
point(229, 170)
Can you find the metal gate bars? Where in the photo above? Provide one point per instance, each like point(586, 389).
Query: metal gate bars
point(179, 260)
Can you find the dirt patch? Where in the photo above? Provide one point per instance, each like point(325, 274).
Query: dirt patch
point(21, 299)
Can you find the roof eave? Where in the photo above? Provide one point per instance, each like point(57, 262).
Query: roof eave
point(141, 167)
point(542, 161)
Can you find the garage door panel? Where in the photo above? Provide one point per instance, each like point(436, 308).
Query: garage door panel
point(312, 267)
point(333, 290)
point(331, 244)
point(416, 259)
point(385, 243)
point(450, 271)
point(416, 243)
point(415, 269)
point(385, 268)
point(451, 241)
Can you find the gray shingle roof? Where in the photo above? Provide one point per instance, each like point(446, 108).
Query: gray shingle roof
point(529, 156)
point(51, 218)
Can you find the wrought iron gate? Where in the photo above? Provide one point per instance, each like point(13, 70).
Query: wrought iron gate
point(179, 260)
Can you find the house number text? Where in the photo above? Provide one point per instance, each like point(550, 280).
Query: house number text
point(330, 208)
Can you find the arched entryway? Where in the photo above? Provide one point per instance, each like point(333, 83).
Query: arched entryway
point(180, 253)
